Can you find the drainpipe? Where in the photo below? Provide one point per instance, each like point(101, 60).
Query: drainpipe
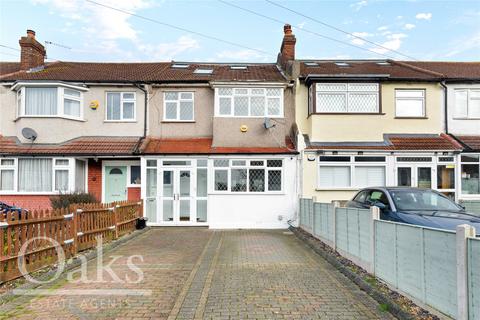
point(445, 100)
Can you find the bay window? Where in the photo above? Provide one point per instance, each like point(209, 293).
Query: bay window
point(249, 102)
point(409, 103)
point(121, 106)
point(42, 175)
point(250, 176)
point(467, 104)
point(470, 174)
point(347, 97)
point(49, 101)
point(351, 171)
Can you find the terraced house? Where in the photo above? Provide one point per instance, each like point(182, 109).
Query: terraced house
point(202, 144)
point(234, 145)
point(368, 123)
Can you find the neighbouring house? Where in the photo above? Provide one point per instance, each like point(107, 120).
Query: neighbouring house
point(462, 80)
point(202, 144)
point(368, 123)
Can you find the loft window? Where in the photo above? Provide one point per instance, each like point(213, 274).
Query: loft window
point(249, 102)
point(342, 64)
point(238, 67)
point(180, 66)
point(203, 71)
point(347, 97)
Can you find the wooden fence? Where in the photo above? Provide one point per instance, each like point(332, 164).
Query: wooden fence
point(32, 240)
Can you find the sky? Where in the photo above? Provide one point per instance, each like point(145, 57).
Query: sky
point(214, 31)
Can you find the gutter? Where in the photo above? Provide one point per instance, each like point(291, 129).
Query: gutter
point(445, 101)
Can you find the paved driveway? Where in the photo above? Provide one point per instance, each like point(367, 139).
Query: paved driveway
point(191, 273)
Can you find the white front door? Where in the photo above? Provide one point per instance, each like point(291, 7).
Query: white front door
point(176, 199)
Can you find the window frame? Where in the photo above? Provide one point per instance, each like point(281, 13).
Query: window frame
point(249, 95)
point(179, 99)
point(463, 195)
point(248, 166)
point(468, 91)
point(21, 101)
point(122, 100)
point(352, 164)
point(71, 176)
point(10, 168)
point(424, 102)
point(314, 109)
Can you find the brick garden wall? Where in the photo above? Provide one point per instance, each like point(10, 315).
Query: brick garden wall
point(30, 202)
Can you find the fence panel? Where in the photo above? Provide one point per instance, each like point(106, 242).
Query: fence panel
point(92, 222)
point(352, 232)
point(306, 214)
point(473, 255)
point(31, 240)
point(323, 221)
point(418, 261)
point(126, 215)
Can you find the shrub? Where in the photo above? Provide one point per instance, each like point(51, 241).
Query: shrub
point(67, 199)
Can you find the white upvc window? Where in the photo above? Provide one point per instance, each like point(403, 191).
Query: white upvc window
point(470, 174)
point(410, 103)
point(37, 175)
point(49, 101)
point(121, 106)
point(248, 175)
point(467, 104)
point(347, 98)
point(178, 106)
point(345, 172)
point(7, 174)
point(249, 102)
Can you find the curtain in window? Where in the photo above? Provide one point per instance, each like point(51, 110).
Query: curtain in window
point(71, 107)
point(35, 174)
point(79, 175)
point(113, 106)
point(41, 101)
point(6, 179)
point(61, 180)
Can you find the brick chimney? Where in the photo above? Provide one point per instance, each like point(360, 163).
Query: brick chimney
point(287, 50)
point(32, 52)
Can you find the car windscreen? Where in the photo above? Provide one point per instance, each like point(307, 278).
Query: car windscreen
point(422, 200)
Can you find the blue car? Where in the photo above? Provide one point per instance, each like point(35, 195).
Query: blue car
point(421, 207)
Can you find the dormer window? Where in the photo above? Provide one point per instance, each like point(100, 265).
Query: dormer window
point(42, 100)
point(346, 98)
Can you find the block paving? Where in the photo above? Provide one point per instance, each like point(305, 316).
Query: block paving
point(196, 273)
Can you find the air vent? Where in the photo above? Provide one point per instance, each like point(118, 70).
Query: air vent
point(342, 64)
point(180, 66)
point(203, 71)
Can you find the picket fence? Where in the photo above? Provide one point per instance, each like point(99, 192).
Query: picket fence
point(437, 268)
point(30, 240)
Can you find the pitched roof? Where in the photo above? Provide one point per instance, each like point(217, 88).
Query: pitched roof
point(387, 68)
point(78, 146)
point(141, 72)
point(472, 142)
point(450, 69)
point(153, 145)
point(395, 143)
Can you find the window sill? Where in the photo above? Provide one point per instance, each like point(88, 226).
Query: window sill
point(49, 117)
point(465, 118)
point(29, 193)
point(421, 118)
point(348, 113)
point(229, 193)
point(115, 121)
point(178, 121)
point(337, 189)
point(248, 117)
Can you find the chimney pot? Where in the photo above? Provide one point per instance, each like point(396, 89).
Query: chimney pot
point(30, 33)
point(287, 29)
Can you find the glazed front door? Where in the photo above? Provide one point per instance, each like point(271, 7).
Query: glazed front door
point(176, 198)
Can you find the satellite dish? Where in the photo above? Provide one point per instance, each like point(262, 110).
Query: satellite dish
point(29, 134)
point(267, 123)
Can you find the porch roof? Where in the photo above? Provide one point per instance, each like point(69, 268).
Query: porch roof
point(153, 145)
point(393, 142)
point(88, 146)
point(471, 142)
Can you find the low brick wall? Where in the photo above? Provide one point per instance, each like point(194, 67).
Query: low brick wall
point(29, 202)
